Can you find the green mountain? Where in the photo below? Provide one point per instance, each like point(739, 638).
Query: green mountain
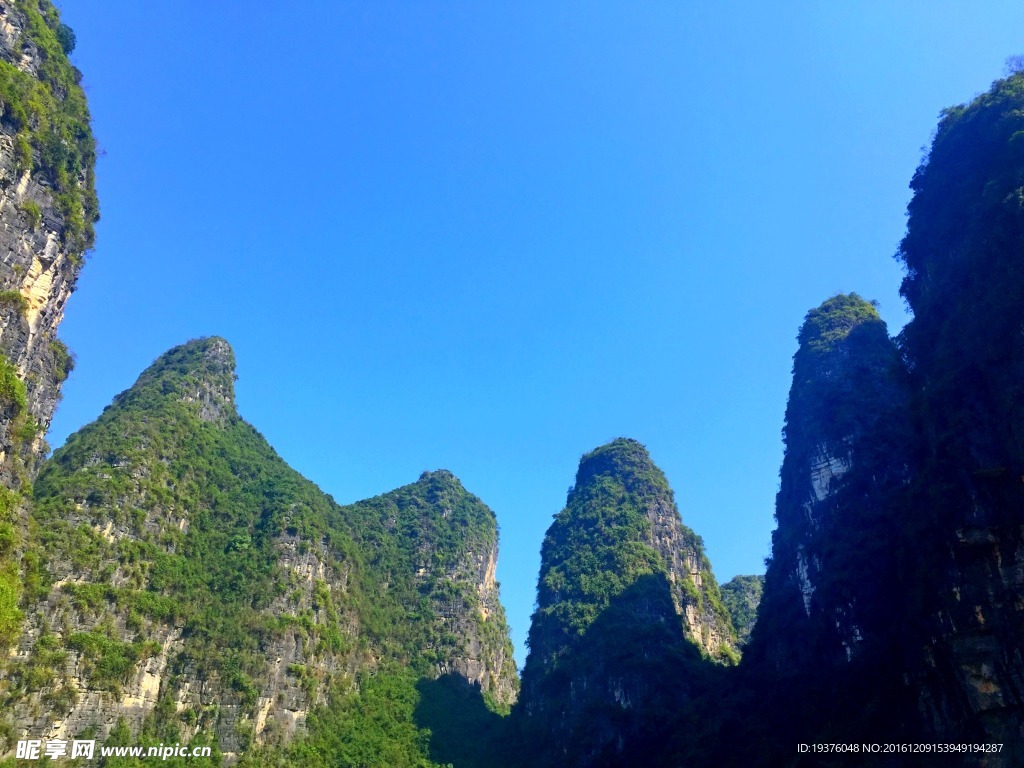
point(828, 618)
point(166, 577)
point(628, 615)
point(47, 210)
point(741, 596)
point(196, 587)
point(965, 285)
point(892, 602)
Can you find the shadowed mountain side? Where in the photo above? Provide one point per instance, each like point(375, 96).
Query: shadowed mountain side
point(628, 612)
point(619, 691)
point(824, 659)
point(464, 731)
point(965, 285)
point(828, 592)
point(763, 717)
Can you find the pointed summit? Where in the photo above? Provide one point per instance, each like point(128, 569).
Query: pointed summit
point(177, 540)
point(628, 461)
point(831, 613)
point(200, 372)
point(446, 538)
point(627, 613)
point(845, 453)
point(623, 511)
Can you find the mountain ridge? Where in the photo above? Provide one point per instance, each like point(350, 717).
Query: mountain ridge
point(190, 573)
point(166, 576)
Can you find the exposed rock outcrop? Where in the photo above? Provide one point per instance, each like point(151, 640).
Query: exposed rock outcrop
point(964, 283)
point(47, 209)
point(627, 611)
point(828, 589)
point(194, 582)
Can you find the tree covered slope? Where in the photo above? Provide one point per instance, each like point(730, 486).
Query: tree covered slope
point(195, 586)
point(628, 618)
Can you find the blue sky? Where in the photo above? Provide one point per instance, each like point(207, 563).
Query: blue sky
point(491, 237)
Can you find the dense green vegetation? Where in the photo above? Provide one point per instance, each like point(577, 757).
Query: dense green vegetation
point(611, 658)
point(13, 397)
point(50, 119)
point(158, 730)
point(10, 588)
point(964, 283)
point(426, 527)
point(15, 300)
point(741, 595)
point(161, 464)
point(601, 542)
point(63, 358)
point(108, 661)
point(372, 725)
point(172, 517)
point(13, 405)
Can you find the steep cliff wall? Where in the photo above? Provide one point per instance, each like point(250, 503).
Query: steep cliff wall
point(831, 613)
point(627, 611)
point(448, 540)
point(965, 285)
point(196, 587)
point(47, 209)
point(829, 587)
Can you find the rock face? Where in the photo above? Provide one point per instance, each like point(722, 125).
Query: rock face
point(830, 613)
point(47, 209)
point(195, 585)
point(964, 283)
point(897, 571)
point(626, 605)
point(448, 541)
point(833, 565)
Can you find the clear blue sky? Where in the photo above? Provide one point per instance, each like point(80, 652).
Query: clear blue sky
point(490, 237)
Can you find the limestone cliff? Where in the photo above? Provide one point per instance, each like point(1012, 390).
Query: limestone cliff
point(47, 209)
point(832, 605)
point(964, 283)
point(627, 608)
point(195, 585)
point(448, 539)
point(833, 563)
